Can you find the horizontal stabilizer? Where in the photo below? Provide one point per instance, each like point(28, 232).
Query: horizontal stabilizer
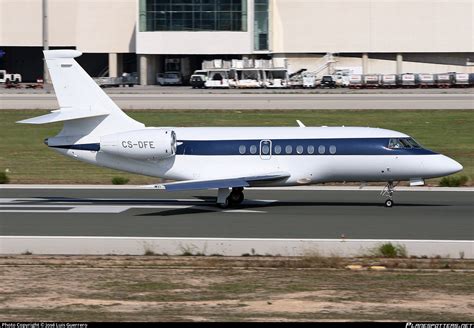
point(64, 114)
point(220, 183)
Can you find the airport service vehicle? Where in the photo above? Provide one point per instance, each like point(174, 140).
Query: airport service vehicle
point(169, 78)
point(219, 78)
point(424, 80)
point(9, 77)
point(327, 81)
point(408, 80)
point(371, 80)
point(388, 81)
point(444, 80)
point(471, 79)
point(248, 78)
point(309, 80)
point(275, 78)
point(461, 79)
point(228, 159)
point(356, 81)
point(342, 79)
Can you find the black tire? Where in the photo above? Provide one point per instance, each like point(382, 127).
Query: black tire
point(236, 197)
point(225, 204)
point(388, 203)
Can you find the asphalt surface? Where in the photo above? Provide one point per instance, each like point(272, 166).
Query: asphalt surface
point(262, 101)
point(355, 214)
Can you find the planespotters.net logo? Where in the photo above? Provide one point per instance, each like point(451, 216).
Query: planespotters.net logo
point(439, 325)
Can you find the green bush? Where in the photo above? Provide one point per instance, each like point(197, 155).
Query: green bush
point(454, 181)
point(389, 250)
point(120, 180)
point(4, 178)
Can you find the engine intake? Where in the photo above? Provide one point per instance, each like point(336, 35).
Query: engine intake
point(150, 144)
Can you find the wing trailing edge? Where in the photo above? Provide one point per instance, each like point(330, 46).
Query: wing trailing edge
point(235, 182)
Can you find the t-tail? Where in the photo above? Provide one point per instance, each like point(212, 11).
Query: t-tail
point(86, 111)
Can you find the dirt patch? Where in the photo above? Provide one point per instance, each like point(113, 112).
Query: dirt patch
point(226, 289)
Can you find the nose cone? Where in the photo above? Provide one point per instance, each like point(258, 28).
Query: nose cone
point(454, 166)
point(448, 166)
point(440, 166)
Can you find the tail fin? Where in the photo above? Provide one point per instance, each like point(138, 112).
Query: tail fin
point(84, 106)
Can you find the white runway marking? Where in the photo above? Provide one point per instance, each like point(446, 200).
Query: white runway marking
point(10, 205)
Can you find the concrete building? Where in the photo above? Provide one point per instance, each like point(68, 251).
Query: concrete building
point(151, 36)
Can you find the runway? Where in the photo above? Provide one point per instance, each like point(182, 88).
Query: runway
point(259, 101)
point(301, 214)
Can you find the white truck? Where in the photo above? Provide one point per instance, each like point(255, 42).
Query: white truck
point(9, 78)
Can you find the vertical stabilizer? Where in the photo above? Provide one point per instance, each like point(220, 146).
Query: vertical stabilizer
point(84, 107)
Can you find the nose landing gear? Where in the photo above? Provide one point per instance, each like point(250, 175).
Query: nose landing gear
point(388, 191)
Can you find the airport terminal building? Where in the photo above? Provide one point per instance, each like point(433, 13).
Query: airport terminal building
point(152, 36)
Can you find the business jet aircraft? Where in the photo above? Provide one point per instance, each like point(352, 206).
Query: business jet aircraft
point(229, 159)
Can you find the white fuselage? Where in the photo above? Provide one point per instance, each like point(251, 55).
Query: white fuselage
point(349, 154)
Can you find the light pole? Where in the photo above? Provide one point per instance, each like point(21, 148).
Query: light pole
point(46, 78)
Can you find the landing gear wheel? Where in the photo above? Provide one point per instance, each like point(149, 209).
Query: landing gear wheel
point(388, 192)
point(225, 204)
point(388, 203)
point(236, 197)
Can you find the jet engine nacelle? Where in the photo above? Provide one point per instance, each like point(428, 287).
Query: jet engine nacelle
point(151, 144)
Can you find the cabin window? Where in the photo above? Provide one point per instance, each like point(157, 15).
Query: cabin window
point(288, 149)
point(253, 149)
point(322, 149)
point(277, 149)
point(242, 149)
point(332, 149)
point(310, 149)
point(265, 149)
point(299, 149)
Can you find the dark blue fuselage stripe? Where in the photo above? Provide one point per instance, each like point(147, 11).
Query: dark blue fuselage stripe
point(354, 146)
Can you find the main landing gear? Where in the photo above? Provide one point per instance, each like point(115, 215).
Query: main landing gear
point(388, 192)
point(226, 199)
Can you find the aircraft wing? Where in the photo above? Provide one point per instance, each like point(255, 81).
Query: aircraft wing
point(248, 181)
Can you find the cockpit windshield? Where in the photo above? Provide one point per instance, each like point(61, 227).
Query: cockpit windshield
point(403, 143)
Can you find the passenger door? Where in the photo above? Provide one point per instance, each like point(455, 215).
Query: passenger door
point(265, 149)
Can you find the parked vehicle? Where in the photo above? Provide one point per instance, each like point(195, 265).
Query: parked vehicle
point(219, 78)
point(327, 81)
point(461, 79)
point(309, 80)
point(371, 80)
point(342, 79)
point(169, 78)
point(444, 80)
point(471, 79)
point(127, 79)
point(197, 81)
point(424, 80)
point(9, 77)
point(388, 81)
point(356, 81)
point(275, 78)
point(408, 80)
point(248, 78)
